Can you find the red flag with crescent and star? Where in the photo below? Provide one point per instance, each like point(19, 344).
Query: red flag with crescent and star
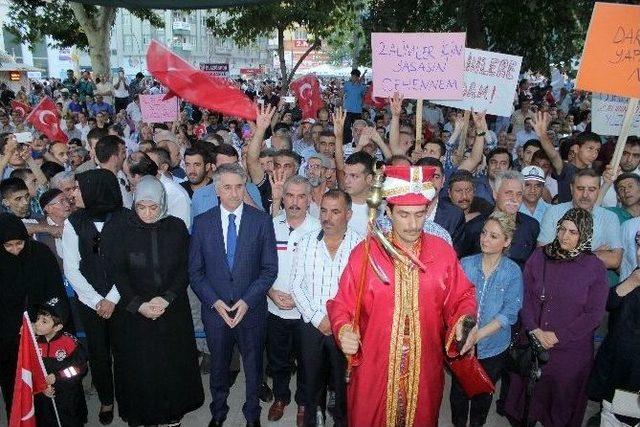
point(196, 86)
point(30, 378)
point(45, 119)
point(373, 101)
point(21, 107)
point(307, 92)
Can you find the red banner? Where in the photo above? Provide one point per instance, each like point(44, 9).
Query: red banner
point(45, 119)
point(307, 92)
point(30, 378)
point(21, 107)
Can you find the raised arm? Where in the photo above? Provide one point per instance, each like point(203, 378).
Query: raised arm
point(471, 163)
point(338, 118)
point(540, 125)
point(263, 121)
point(394, 132)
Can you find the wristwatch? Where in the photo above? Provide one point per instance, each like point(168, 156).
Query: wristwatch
point(483, 133)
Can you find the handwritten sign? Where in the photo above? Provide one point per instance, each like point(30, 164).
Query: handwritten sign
point(611, 56)
point(490, 81)
point(607, 113)
point(156, 110)
point(418, 65)
point(215, 69)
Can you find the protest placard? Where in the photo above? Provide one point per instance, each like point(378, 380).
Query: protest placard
point(155, 109)
point(607, 114)
point(611, 56)
point(418, 65)
point(490, 81)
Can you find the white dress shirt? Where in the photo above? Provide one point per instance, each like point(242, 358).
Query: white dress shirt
point(224, 217)
point(315, 275)
point(71, 263)
point(359, 218)
point(286, 244)
point(178, 201)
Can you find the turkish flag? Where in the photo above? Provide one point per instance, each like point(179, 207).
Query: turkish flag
point(21, 107)
point(307, 92)
point(373, 101)
point(30, 378)
point(196, 86)
point(44, 118)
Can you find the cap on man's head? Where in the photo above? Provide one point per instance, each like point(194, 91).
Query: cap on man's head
point(533, 173)
point(48, 196)
point(408, 185)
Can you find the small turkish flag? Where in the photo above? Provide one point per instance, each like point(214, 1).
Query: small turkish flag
point(44, 118)
point(307, 92)
point(21, 107)
point(373, 101)
point(30, 378)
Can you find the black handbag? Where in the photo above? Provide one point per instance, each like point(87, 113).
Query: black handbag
point(520, 350)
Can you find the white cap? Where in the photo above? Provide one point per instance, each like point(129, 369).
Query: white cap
point(533, 173)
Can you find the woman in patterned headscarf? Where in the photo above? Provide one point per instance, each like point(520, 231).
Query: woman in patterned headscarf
point(565, 292)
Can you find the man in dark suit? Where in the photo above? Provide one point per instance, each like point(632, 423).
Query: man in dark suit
point(232, 264)
point(446, 215)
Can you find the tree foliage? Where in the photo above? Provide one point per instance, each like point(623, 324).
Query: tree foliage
point(30, 20)
point(542, 31)
point(320, 18)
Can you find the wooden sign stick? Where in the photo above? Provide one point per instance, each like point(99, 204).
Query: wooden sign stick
point(622, 140)
point(419, 136)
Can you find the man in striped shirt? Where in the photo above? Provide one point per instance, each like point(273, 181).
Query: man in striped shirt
point(320, 259)
point(284, 327)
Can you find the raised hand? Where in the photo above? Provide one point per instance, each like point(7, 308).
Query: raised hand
point(396, 104)
point(264, 114)
point(338, 118)
point(541, 123)
point(480, 120)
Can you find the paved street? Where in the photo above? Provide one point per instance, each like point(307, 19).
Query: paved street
point(201, 417)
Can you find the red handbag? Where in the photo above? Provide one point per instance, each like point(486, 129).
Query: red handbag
point(471, 375)
point(467, 370)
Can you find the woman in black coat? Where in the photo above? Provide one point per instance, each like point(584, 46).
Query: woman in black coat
point(156, 369)
point(29, 274)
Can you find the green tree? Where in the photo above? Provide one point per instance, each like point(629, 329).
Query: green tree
point(541, 31)
point(69, 24)
point(320, 18)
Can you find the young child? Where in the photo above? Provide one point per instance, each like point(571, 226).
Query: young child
point(65, 363)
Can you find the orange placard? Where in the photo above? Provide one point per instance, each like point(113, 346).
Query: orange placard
point(611, 56)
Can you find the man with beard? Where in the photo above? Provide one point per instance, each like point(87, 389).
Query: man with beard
point(317, 167)
point(197, 167)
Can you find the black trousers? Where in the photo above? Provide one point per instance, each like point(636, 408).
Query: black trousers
point(98, 332)
point(318, 349)
point(8, 362)
point(283, 342)
point(476, 408)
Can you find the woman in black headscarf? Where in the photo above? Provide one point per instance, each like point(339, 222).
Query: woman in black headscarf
point(100, 201)
point(29, 274)
point(155, 359)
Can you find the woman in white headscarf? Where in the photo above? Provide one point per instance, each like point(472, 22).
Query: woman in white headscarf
point(156, 369)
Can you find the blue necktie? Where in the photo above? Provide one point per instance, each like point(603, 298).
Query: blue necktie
point(232, 235)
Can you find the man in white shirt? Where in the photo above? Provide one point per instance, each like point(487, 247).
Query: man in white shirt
point(133, 110)
point(284, 327)
point(178, 201)
point(358, 176)
point(317, 267)
point(120, 91)
point(525, 134)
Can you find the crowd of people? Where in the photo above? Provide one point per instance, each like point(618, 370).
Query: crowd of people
point(198, 246)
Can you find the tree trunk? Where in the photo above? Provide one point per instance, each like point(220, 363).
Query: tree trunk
point(476, 37)
point(285, 82)
point(97, 28)
point(283, 64)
